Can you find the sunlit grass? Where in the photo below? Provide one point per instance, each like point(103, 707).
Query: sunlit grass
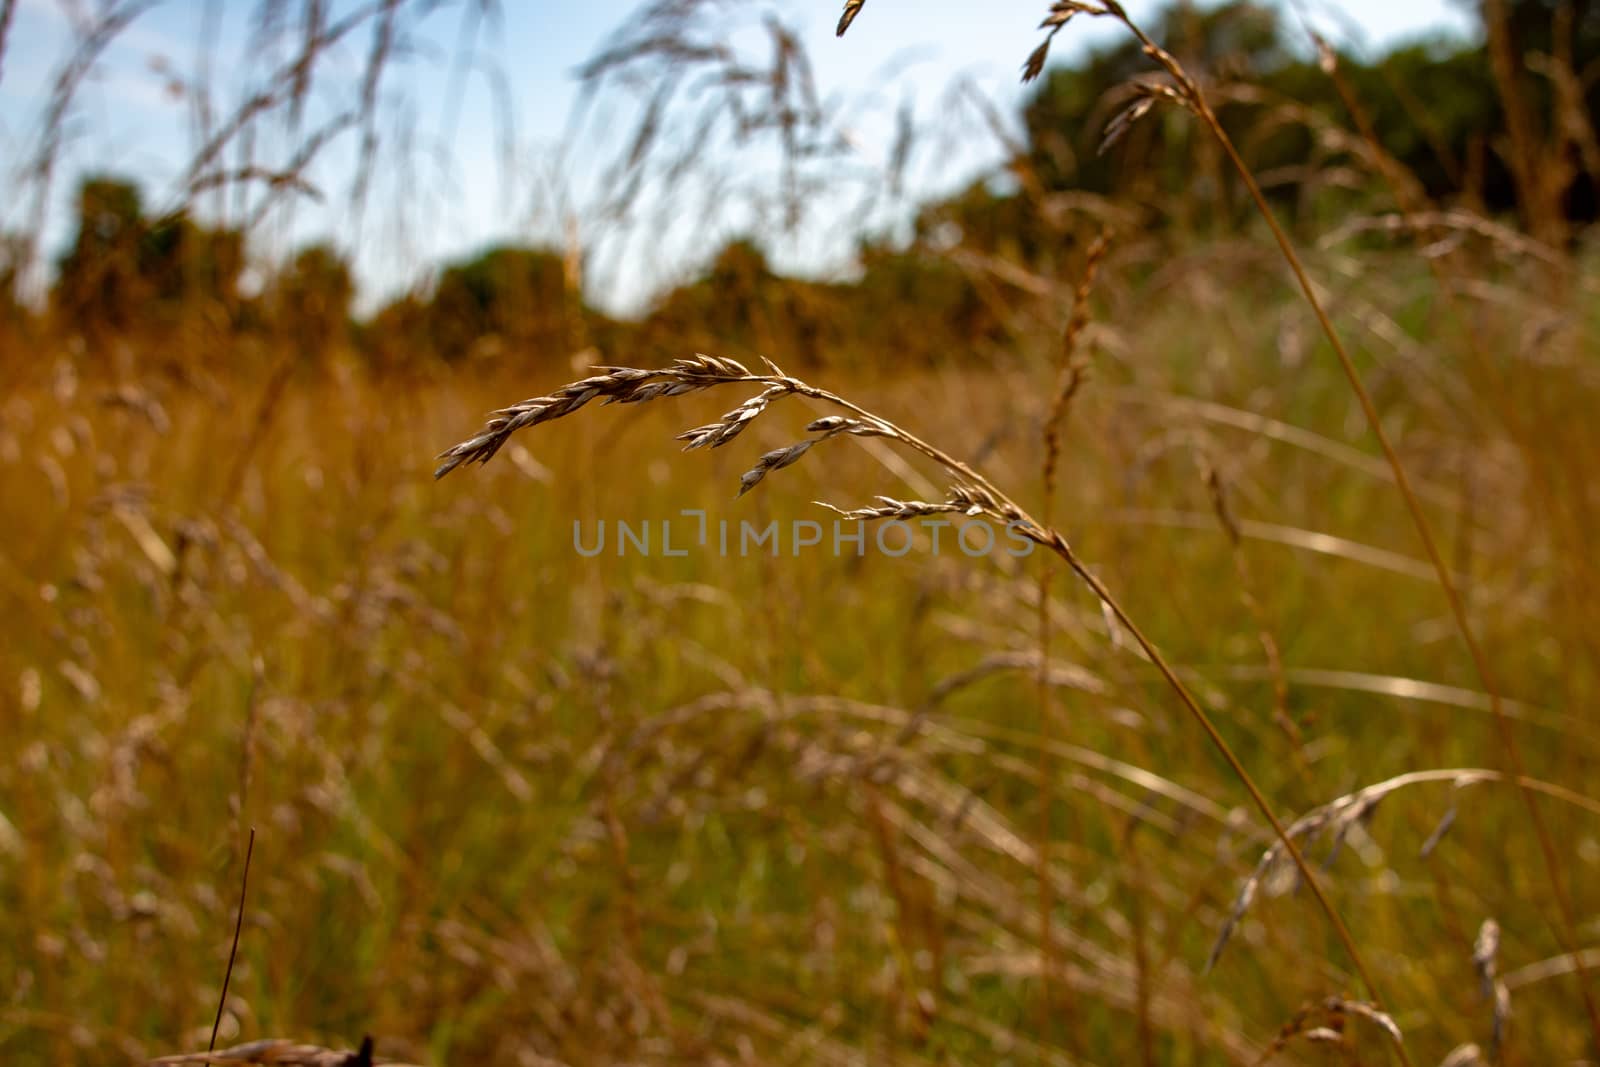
point(511, 798)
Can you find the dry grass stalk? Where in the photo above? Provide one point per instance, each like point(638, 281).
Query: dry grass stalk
point(960, 500)
point(624, 385)
point(1340, 816)
point(1072, 372)
point(1324, 1022)
point(1252, 604)
point(92, 37)
point(1187, 92)
point(284, 90)
point(739, 100)
point(974, 495)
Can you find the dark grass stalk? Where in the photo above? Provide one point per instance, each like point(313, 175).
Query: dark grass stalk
point(238, 925)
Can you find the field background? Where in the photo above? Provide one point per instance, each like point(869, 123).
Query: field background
point(514, 805)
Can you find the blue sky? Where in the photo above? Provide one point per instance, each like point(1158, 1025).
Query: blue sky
point(456, 186)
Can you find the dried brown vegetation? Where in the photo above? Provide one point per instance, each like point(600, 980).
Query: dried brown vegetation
point(520, 801)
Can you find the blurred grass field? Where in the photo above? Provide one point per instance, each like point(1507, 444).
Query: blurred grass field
point(514, 805)
point(507, 800)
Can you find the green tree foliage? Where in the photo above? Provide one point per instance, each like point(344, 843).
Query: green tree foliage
point(901, 311)
point(1551, 95)
point(507, 298)
point(125, 273)
point(13, 261)
point(1437, 108)
point(189, 267)
point(1536, 25)
point(508, 302)
point(309, 300)
point(909, 303)
point(17, 322)
point(98, 287)
point(395, 339)
point(741, 306)
point(1443, 110)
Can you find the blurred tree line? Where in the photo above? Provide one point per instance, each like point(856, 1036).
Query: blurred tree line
point(1503, 126)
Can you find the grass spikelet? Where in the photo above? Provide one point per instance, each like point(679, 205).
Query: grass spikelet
point(1334, 819)
point(1485, 959)
point(617, 385)
point(852, 8)
point(1468, 1055)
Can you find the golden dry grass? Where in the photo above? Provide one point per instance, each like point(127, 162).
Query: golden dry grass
point(1291, 762)
point(515, 803)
